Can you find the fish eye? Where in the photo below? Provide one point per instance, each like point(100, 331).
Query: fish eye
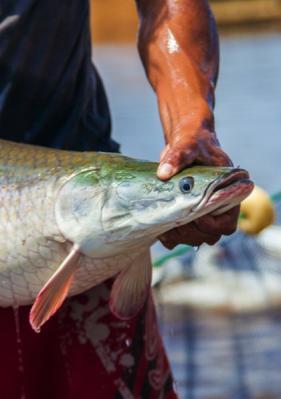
point(186, 184)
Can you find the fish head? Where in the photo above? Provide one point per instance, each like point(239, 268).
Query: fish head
point(157, 206)
point(123, 205)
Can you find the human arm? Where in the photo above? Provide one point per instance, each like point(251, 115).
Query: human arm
point(178, 45)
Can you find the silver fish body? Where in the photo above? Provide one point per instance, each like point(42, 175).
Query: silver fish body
point(104, 209)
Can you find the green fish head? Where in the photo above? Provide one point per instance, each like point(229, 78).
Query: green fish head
point(123, 204)
point(192, 193)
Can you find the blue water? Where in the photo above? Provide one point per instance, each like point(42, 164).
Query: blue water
point(248, 116)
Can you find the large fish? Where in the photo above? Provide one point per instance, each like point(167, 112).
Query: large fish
point(71, 220)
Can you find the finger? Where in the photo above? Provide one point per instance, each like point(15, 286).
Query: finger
point(164, 151)
point(225, 224)
point(215, 156)
point(165, 171)
point(189, 235)
point(228, 221)
point(194, 241)
point(210, 152)
point(174, 160)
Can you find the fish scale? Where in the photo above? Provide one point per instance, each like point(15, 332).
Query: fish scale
point(31, 245)
point(22, 239)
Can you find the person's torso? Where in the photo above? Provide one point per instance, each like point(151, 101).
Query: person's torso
point(50, 93)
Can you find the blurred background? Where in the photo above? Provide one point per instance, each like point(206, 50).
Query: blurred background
point(219, 308)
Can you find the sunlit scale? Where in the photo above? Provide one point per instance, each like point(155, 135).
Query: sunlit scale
point(69, 221)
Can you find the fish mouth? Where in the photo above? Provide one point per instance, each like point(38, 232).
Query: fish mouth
point(225, 192)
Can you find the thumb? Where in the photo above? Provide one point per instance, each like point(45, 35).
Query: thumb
point(165, 171)
point(173, 160)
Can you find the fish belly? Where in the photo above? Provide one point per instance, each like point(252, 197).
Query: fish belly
point(30, 244)
point(32, 248)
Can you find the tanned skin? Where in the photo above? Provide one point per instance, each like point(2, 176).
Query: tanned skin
point(178, 45)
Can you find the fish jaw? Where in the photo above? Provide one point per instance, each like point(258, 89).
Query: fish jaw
point(225, 193)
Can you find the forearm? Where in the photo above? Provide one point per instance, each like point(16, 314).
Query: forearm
point(178, 45)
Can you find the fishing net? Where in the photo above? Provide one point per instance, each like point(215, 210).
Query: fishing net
point(220, 316)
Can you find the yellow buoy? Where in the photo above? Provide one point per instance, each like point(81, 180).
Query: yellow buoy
point(257, 212)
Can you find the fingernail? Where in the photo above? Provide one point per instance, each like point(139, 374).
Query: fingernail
point(165, 170)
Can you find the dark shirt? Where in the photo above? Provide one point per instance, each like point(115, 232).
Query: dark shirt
point(50, 92)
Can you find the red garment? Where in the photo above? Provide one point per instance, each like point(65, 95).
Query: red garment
point(83, 352)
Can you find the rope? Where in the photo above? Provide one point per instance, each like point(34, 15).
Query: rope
point(184, 249)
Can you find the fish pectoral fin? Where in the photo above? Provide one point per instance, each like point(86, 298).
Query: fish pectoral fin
point(54, 292)
point(131, 288)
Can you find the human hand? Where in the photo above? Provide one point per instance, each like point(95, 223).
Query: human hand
point(179, 48)
point(207, 229)
point(182, 151)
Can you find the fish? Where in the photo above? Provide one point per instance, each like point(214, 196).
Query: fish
point(71, 220)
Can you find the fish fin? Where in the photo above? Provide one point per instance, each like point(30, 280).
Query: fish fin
point(131, 288)
point(54, 292)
